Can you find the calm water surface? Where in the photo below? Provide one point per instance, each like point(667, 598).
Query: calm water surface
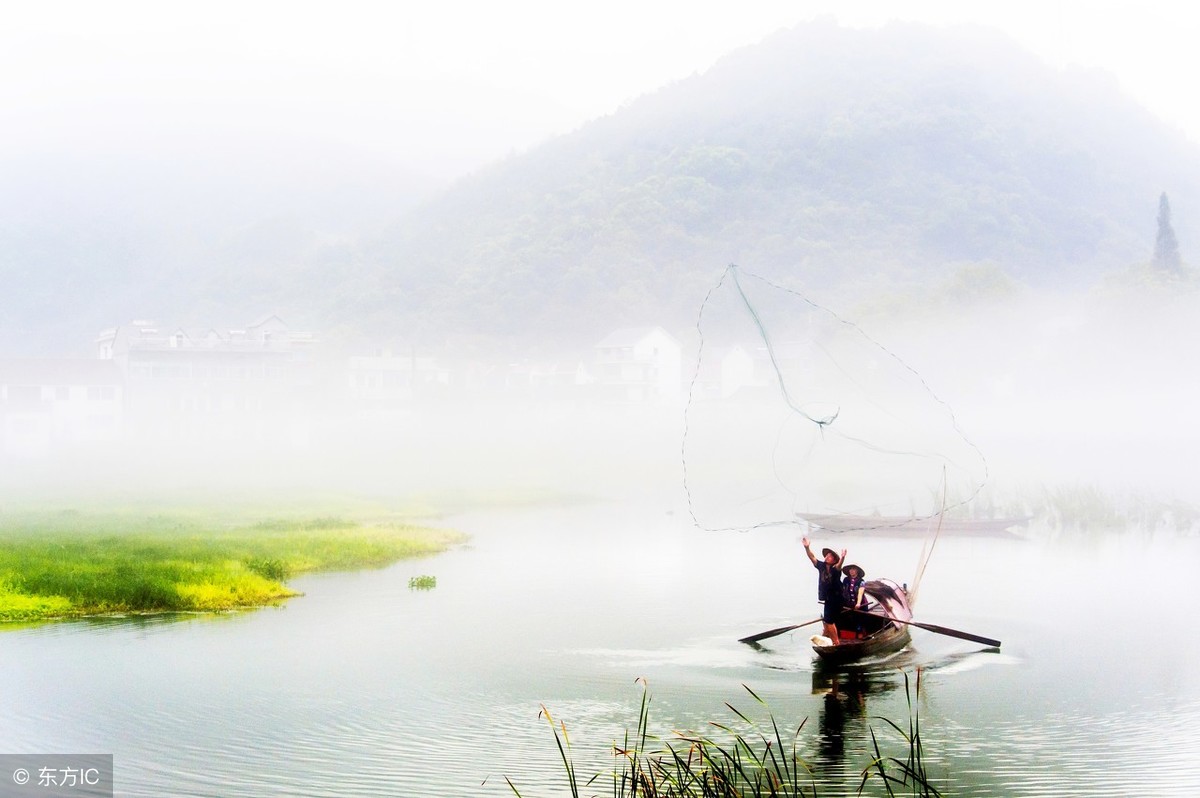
point(366, 688)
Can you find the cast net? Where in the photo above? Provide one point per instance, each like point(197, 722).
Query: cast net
point(795, 414)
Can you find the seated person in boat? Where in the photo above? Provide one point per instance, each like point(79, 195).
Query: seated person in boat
point(829, 585)
point(854, 595)
point(854, 587)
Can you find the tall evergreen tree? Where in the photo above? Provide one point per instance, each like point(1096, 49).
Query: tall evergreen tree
point(1166, 246)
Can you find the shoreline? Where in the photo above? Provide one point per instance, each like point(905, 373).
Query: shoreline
point(61, 568)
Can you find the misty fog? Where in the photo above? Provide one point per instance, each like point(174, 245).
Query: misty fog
point(230, 295)
point(1007, 396)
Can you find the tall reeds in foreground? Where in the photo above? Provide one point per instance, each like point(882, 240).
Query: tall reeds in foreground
point(908, 774)
point(755, 763)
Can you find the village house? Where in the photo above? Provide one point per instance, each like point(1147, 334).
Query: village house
point(249, 385)
point(724, 372)
point(639, 365)
point(49, 405)
point(384, 380)
point(547, 380)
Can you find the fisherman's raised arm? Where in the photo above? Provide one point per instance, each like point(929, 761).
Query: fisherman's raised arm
point(808, 550)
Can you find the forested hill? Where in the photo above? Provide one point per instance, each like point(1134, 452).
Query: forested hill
point(838, 159)
point(852, 164)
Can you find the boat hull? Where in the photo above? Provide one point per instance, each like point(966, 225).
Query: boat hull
point(885, 641)
point(910, 527)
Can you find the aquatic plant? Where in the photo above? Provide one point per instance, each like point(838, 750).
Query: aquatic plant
point(422, 582)
point(756, 761)
point(1082, 508)
point(749, 763)
point(910, 773)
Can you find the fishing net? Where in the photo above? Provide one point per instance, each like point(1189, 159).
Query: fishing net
point(796, 413)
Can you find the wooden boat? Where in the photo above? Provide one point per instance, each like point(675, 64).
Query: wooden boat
point(881, 627)
point(880, 630)
point(911, 526)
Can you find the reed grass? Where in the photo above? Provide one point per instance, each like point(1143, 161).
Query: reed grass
point(910, 774)
point(75, 564)
point(1071, 508)
point(756, 760)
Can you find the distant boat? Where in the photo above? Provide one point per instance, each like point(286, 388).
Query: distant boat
point(911, 526)
point(876, 631)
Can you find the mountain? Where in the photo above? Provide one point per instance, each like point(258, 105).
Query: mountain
point(189, 234)
point(851, 162)
point(854, 163)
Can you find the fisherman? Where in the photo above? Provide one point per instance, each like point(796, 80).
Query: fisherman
point(829, 586)
point(854, 587)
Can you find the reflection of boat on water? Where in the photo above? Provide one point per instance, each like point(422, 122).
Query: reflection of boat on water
point(911, 526)
point(843, 713)
point(854, 679)
point(877, 631)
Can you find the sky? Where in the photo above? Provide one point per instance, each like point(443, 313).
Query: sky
point(446, 87)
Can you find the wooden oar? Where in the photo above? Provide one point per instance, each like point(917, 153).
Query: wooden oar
point(774, 632)
point(941, 630)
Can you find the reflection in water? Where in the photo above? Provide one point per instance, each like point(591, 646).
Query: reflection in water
point(837, 707)
point(122, 622)
point(842, 717)
point(843, 743)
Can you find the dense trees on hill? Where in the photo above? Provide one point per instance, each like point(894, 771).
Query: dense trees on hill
point(849, 161)
point(858, 164)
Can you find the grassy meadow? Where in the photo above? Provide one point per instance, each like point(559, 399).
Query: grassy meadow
point(70, 564)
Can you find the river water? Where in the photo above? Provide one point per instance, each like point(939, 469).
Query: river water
point(363, 687)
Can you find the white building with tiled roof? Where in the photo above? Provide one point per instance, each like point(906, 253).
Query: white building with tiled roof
point(247, 384)
point(48, 404)
point(639, 365)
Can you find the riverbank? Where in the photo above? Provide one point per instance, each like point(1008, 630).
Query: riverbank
point(72, 564)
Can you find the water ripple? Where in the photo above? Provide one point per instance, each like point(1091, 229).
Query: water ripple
point(1134, 753)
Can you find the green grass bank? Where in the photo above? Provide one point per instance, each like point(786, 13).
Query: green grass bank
point(71, 564)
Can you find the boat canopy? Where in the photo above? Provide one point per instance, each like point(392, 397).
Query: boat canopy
point(890, 599)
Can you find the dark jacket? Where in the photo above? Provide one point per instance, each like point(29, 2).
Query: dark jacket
point(850, 590)
point(829, 582)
